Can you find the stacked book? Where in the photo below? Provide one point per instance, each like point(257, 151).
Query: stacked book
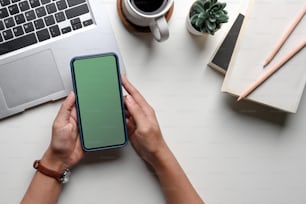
point(241, 56)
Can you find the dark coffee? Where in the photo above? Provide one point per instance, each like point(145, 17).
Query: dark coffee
point(148, 5)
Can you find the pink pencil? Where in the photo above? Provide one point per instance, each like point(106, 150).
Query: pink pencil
point(285, 36)
point(273, 69)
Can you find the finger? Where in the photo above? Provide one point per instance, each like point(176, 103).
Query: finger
point(127, 114)
point(74, 114)
point(135, 110)
point(66, 108)
point(135, 93)
point(130, 127)
point(132, 90)
point(78, 153)
point(130, 120)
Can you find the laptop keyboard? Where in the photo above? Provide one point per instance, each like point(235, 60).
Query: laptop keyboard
point(27, 22)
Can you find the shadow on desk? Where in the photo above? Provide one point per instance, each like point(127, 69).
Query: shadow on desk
point(200, 42)
point(102, 156)
point(112, 156)
point(256, 110)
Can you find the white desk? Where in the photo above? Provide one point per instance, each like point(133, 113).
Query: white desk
point(232, 153)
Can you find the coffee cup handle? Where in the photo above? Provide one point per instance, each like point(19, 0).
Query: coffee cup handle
point(159, 29)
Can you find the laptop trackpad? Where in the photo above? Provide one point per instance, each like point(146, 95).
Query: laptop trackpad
point(30, 78)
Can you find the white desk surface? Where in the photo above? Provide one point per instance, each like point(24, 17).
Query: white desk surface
point(232, 153)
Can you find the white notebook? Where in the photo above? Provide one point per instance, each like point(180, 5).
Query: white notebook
point(265, 23)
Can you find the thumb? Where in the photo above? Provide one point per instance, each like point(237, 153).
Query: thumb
point(66, 108)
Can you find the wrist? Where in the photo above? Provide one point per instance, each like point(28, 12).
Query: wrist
point(161, 157)
point(52, 166)
point(52, 162)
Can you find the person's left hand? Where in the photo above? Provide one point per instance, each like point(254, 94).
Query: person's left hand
point(65, 149)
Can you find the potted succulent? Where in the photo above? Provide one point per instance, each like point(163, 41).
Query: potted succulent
point(206, 17)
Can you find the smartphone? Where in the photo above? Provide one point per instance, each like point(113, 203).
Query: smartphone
point(99, 101)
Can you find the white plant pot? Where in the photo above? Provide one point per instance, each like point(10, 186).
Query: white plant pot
point(192, 30)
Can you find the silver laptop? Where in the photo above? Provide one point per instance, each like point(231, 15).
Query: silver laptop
point(38, 38)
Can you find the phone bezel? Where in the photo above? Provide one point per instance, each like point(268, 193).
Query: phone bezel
point(77, 101)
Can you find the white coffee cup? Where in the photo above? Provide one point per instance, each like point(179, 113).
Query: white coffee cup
point(149, 13)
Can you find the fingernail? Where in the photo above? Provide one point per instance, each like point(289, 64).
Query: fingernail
point(129, 99)
point(71, 93)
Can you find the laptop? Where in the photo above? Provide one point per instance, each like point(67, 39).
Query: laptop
point(38, 38)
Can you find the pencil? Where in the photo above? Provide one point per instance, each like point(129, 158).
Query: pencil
point(285, 36)
point(272, 70)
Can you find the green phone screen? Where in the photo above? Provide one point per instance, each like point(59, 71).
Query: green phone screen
point(99, 101)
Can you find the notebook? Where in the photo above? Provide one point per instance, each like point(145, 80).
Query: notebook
point(223, 55)
point(260, 32)
point(38, 38)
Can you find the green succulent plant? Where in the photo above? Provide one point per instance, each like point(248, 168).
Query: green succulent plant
point(207, 16)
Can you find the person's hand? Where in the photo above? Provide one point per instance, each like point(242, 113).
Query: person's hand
point(143, 128)
point(65, 149)
point(147, 140)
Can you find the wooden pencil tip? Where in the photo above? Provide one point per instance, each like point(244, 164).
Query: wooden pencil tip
point(266, 63)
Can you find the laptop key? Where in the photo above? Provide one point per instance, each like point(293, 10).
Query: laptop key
point(30, 15)
point(43, 35)
point(20, 18)
point(39, 23)
point(18, 43)
point(24, 6)
point(13, 9)
point(18, 31)
point(34, 3)
point(4, 2)
point(61, 5)
point(7, 34)
point(51, 8)
point(40, 12)
point(45, 1)
point(66, 30)
point(9, 22)
point(75, 21)
point(4, 13)
point(60, 17)
point(28, 27)
point(1, 39)
point(87, 22)
point(77, 26)
point(75, 2)
point(49, 20)
point(77, 11)
point(54, 31)
point(1, 25)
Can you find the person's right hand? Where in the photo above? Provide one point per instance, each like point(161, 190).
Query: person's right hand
point(143, 128)
point(147, 140)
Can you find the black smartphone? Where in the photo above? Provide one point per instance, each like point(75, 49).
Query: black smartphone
point(99, 101)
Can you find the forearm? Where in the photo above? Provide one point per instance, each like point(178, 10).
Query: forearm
point(42, 189)
point(175, 184)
